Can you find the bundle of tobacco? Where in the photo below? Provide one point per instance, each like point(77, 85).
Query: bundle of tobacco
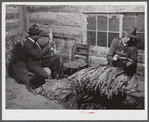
point(98, 84)
point(59, 90)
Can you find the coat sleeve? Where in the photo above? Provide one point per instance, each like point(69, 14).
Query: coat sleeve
point(111, 51)
point(36, 54)
point(133, 56)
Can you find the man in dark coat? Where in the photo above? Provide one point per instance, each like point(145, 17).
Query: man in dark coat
point(38, 58)
point(123, 52)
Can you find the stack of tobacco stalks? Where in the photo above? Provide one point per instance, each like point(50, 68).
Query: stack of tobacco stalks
point(94, 88)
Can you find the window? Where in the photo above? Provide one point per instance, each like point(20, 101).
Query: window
point(102, 29)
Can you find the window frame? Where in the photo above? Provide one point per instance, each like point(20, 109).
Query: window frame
point(108, 24)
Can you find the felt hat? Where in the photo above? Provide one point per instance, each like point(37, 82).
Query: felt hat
point(34, 30)
point(131, 32)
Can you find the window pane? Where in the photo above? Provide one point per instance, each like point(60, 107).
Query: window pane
point(111, 37)
point(140, 41)
point(91, 22)
point(102, 39)
point(113, 23)
point(91, 37)
point(140, 23)
point(129, 20)
point(102, 23)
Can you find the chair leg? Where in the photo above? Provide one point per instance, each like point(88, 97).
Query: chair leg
point(71, 71)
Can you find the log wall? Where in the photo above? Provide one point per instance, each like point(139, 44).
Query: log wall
point(14, 20)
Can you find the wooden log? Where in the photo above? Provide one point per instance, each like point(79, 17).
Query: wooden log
point(96, 61)
point(14, 31)
point(67, 32)
point(11, 16)
point(141, 56)
point(12, 8)
point(113, 8)
point(54, 8)
point(140, 69)
point(89, 8)
point(98, 51)
point(13, 25)
point(60, 29)
point(56, 18)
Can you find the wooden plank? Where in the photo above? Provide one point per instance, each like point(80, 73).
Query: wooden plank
point(96, 61)
point(82, 46)
point(56, 18)
point(81, 53)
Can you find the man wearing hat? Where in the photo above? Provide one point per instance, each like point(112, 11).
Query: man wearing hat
point(38, 58)
point(123, 52)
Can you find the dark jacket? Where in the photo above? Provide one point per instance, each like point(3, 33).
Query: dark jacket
point(34, 55)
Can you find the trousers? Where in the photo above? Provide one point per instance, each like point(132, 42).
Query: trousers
point(40, 74)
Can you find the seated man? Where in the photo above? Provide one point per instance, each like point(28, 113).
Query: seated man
point(38, 58)
point(123, 52)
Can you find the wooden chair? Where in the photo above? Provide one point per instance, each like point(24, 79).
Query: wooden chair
point(80, 58)
point(82, 52)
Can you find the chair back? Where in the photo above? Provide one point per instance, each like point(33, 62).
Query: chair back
point(81, 52)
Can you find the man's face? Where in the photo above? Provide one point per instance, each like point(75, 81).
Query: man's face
point(126, 37)
point(36, 37)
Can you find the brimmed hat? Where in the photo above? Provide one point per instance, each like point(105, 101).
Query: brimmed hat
point(34, 30)
point(131, 31)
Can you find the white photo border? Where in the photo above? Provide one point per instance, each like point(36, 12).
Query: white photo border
point(72, 114)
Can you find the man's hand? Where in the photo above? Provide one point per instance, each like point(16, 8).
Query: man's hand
point(115, 58)
point(49, 45)
point(129, 64)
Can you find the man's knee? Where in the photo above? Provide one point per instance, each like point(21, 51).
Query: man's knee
point(44, 75)
point(57, 59)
